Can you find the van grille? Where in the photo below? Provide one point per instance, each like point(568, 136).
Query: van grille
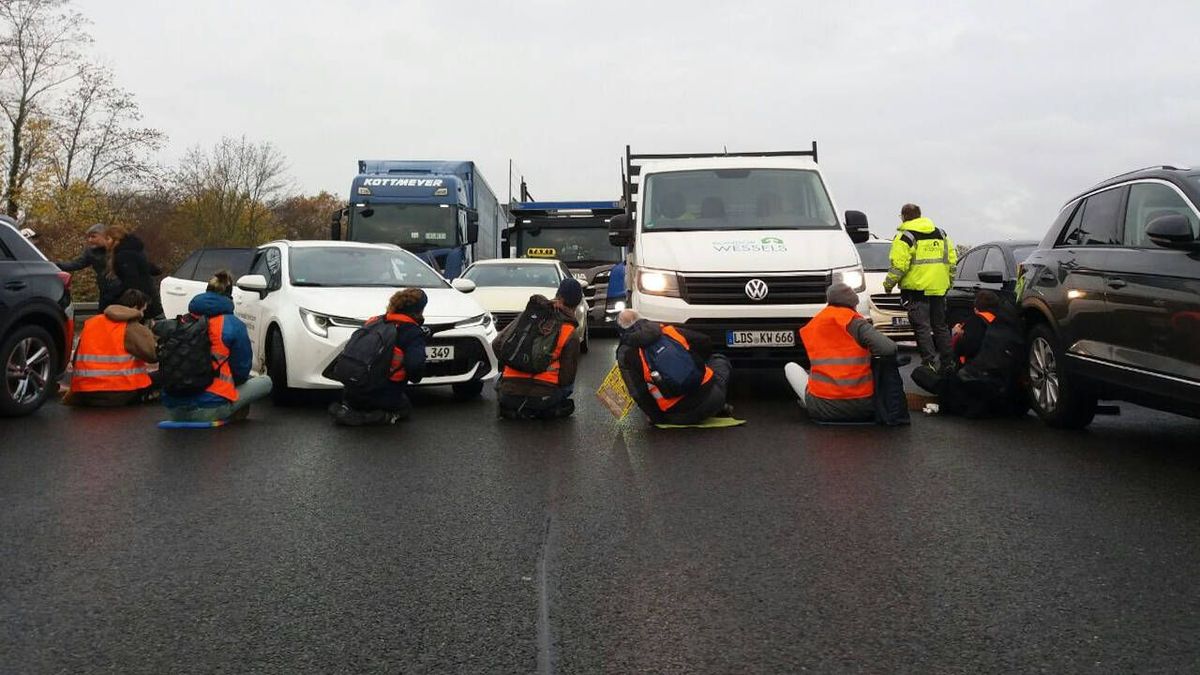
point(787, 289)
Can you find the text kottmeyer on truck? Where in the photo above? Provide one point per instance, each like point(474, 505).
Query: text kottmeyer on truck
point(443, 211)
point(577, 234)
point(738, 245)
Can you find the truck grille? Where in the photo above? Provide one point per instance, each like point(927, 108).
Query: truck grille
point(789, 289)
point(887, 302)
point(504, 318)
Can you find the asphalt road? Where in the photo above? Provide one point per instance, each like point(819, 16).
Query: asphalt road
point(459, 543)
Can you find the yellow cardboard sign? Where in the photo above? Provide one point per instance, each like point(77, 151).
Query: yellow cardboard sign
point(534, 252)
point(613, 394)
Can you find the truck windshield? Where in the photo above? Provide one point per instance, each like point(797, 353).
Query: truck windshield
point(577, 245)
point(737, 199)
point(416, 227)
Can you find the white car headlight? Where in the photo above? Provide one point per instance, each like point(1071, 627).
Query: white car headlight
point(653, 282)
point(483, 320)
point(317, 324)
point(852, 277)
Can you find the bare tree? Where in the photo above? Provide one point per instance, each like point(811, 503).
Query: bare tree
point(39, 51)
point(95, 136)
point(229, 190)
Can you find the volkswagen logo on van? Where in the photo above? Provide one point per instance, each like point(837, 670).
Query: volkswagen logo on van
point(756, 289)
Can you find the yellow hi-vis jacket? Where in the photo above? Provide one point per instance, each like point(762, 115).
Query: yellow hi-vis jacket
point(922, 258)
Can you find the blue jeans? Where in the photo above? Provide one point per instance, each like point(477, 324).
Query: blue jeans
point(253, 389)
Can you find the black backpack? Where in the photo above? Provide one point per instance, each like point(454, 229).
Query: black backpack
point(529, 345)
point(366, 361)
point(185, 358)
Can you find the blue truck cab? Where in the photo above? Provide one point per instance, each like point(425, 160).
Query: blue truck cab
point(577, 234)
point(444, 211)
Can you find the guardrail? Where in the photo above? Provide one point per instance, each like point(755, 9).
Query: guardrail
point(84, 310)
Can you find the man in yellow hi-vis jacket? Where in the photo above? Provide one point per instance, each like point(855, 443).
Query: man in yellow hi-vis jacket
point(922, 264)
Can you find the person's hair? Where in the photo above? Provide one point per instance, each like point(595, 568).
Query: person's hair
point(221, 283)
point(116, 234)
point(987, 301)
point(134, 298)
point(627, 318)
point(910, 212)
point(406, 302)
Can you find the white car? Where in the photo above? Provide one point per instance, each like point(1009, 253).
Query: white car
point(191, 277)
point(886, 313)
point(503, 287)
point(302, 300)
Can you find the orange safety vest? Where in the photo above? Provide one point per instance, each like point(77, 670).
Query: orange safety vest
point(222, 384)
point(397, 373)
point(841, 368)
point(989, 317)
point(550, 375)
point(666, 403)
point(101, 362)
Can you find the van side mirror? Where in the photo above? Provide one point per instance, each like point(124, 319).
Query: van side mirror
point(620, 230)
point(1172, 231)
point(856, 226)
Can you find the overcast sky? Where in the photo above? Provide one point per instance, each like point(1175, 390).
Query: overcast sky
point(988, 115)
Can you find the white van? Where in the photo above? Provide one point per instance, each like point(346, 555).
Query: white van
point(738, 246)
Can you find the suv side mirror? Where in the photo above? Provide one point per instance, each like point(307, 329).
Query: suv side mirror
point(856, 226)
point(991, 277)
point(620, 230)
point(1172, 231)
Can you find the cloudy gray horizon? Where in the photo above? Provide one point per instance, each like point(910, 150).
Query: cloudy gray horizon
point(990, 117)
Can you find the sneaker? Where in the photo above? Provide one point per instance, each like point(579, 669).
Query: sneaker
point(726, 411)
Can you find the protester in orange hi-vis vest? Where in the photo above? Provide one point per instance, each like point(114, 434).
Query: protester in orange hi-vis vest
point(671, 372)
point(111, 363)
point(545, 333)
point(839, 387)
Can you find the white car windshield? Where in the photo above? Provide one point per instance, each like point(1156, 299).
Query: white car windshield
point(353, 267)
point(545, 276)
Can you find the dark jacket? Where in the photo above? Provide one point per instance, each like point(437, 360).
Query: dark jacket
point(97, 259)
point(132, 269)
point(235, 338)
point(642, 334)
point(568, 362)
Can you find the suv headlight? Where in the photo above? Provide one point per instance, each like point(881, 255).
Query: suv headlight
point(483, 320)
point(852, 277)
point(654, 282)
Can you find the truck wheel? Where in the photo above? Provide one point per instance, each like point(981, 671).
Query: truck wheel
point(1058, 400)
point(281, 394)
point(464, 391)
point(28, 355)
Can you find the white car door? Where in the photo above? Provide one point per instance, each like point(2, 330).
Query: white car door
point(255, 308)
point(178, 289)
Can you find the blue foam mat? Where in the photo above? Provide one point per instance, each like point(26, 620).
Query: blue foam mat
point(172, 424)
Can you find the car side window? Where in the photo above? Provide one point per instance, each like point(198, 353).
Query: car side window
point(1148, 201)
point(5, 254)
point(968, 267)
point(216, 259)
point(1097, 221)
point(994, 262)
point(187, 269)
point(274, 262)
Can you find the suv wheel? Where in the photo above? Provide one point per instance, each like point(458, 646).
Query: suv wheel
point(1055, 398)
point(28, 355)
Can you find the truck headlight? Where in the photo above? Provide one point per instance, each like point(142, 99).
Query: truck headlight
point(852, 277)
point(654, 282)
point(483, 320)
point(317, 324)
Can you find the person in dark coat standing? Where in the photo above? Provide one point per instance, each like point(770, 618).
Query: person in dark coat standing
point(95, 256)
point(128, 267)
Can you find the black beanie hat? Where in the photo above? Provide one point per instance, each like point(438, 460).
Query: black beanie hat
point(571, 292)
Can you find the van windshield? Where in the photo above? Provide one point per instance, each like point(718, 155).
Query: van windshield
point(737, 199)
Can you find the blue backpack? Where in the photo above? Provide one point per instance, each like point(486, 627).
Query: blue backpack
point(672, 367)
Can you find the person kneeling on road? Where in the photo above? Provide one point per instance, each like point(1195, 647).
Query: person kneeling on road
point(988, 347)
point(540, 355)
point(671, 372)
point(840, 344)
point(110, 363)
point(204, 359)
point(380, 360)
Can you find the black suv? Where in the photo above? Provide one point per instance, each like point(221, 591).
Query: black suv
point(1111, 299)
point(36, 323)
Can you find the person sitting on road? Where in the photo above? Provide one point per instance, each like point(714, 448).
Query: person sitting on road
point(539, 352)
point(383, 399)
point(840, 343)
point(231, 390)
point(110, 363)
point(988, 347)
point(671, 372)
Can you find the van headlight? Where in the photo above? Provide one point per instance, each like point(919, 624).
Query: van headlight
point(654, 282)
point(483, 320)
point(852, 277)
